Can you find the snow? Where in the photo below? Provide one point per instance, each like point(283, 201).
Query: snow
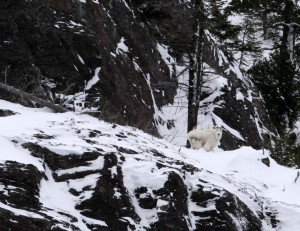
point(94, 79)
point(125, 3)
point(168, 59)
point(240, 171)
point(71, 24)
point(80, 59)
point(55, 195)
point(20, 212)
point(121, 46)
point(239, 96)
point(236, 19)
point(16, 154)
point(156, 110)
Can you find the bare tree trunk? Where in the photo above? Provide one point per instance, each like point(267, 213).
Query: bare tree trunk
point(245, 31)
point(33, 98)
point(265, 24)
point(195, 68)
point(199, 70)
point(287, 39)
point(191, 92)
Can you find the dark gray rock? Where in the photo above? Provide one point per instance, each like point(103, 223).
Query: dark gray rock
point(56, 161)
point(145, 199)
point(13, 222)
point(21, 185)
point(266, 161)
point(4, 113)
point(172, 216)
point(104, 204)
point(225, 208)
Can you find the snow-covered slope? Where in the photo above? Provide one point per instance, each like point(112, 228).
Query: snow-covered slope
point(80, 173)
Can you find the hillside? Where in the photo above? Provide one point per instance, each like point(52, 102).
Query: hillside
point(73, 172)
point(97, 97)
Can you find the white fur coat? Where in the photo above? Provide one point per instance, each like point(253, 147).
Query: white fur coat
point(208, 139)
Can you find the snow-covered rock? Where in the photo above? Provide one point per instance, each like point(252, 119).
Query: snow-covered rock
point(73, 172)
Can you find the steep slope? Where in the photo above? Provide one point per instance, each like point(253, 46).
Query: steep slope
point(109, 59)
point(229, 99)
point(84, 55)
point(73, 172)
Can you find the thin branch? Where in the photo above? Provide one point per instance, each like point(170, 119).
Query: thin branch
point(298, 174)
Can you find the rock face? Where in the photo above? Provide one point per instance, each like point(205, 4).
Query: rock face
point(239, 105)
point(92, 53)
point(103, 58)
point(227, 207)
point(112, 202)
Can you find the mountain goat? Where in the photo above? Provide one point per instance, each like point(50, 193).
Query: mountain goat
point(208, 139)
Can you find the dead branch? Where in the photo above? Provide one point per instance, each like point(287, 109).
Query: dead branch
point(33, 98)
point(298, 174)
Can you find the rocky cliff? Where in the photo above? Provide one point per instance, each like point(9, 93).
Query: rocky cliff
point(103, 58)
point(84, 54)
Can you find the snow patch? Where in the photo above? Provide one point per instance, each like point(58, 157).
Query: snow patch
point(168, 59)
point(80, 59)
point(95, 79)
point(121, 46)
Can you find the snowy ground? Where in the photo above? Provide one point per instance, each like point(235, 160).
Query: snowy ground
point(240, 171)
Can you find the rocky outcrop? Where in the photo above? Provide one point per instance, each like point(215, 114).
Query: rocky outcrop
point(227, 207)
point(20, 185)
point(104, 204)
point(113, 203)
point(239, 105)
point(19, 188)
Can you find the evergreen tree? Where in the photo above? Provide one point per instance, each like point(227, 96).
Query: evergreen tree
point(284, 149)
point(208, 15)
point(290, 20)
point(262, 10)
point(248, 47)
point(278, 81)
point(218, 23)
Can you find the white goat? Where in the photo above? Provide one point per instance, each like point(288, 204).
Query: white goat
point(208, 139)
